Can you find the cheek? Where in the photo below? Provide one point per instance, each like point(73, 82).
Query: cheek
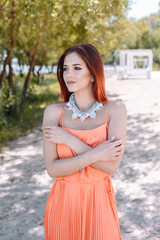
point(84, 75)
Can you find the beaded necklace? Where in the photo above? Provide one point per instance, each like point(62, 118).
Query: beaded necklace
point(82, 115)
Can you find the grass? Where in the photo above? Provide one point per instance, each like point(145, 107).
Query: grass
point(156, 67)
point(31, 113)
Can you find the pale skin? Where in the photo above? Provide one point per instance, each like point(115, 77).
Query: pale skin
point(106, 156)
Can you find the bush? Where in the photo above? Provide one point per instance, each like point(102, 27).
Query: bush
point(31, 93)
point(10, 99)
point(11, 104)
point(3, 119)
point(19, 116)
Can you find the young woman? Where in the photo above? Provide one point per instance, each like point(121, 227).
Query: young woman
point(84, 141)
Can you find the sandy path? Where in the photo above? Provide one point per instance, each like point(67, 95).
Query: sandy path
point(137, 182)
point(25, 185)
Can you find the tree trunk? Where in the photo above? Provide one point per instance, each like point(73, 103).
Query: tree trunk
point(20, 68)
point(4, 70)
point(12, 43)
point(10, 75)
point(21, 72)
point(33, 71)
point(2, 5)
point(38, 72)
point(26, 83)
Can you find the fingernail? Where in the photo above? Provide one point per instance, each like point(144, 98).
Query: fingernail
point(112, 137)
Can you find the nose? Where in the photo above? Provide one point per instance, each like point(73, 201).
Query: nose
point(68, 74)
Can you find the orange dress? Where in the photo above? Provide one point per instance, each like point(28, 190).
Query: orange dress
point(82, 206)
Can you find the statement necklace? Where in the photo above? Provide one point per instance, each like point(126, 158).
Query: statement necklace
point(82, 115)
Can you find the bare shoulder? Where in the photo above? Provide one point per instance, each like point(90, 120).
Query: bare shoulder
point(52, 108)
point(117, 108)
point(52, 114)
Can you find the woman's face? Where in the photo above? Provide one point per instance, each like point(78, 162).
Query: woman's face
point(75, 73)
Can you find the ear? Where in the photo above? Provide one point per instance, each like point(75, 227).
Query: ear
point(92, 80)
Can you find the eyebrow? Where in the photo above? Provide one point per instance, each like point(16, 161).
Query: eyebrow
point(74, 64)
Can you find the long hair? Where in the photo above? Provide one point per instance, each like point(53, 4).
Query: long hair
point(93, 61)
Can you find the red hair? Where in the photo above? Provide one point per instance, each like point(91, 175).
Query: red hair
point(93, 61)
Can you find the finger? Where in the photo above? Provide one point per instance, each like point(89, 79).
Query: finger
point(117, 143)
point(47, 131)
point(118, 157)
point(115, 158)
point(119, 148)
point(50, 127)
point(47, 127)
point(111, 139)
point(117, 154)
point(48, 135)
point(47, 140)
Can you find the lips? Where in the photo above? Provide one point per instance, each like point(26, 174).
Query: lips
point(70, 82)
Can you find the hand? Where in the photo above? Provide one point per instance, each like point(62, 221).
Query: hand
point(110, 150)
point(55, 134)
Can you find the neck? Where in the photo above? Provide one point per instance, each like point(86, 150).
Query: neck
point(84, 101)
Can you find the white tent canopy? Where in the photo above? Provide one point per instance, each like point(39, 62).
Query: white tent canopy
point(135, 63)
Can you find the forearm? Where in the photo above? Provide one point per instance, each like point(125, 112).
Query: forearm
point(80, 147)
point(77, 146)
point(68, 166)
point(110, 167)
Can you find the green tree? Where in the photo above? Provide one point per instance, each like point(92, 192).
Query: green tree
point(9, 29)
point(39, 31)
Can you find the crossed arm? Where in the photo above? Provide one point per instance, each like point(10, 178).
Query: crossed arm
point(86, 155)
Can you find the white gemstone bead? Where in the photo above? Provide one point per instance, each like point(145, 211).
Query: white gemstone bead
point(82, 117)
point(74, 115)
point(92, 115)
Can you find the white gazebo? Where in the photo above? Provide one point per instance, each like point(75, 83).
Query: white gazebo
point(135, 63)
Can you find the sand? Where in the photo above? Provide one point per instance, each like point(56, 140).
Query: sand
point(25, 185)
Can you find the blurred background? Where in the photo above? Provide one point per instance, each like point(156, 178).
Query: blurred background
point(33, 35)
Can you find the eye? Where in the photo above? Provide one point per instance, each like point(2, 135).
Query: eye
point(64, 69)
point(77, 68)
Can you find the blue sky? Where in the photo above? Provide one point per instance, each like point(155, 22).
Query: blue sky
point(143, 8)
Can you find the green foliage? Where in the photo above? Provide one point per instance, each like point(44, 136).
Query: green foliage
point(10, 99)
point(57, 25)
point(17, 117)
point(111, 58)
point(51, 26)
point(30, 95)
point(144, 34)
point(3, 119)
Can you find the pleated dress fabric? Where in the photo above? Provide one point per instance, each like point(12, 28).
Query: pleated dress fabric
point(82, 206)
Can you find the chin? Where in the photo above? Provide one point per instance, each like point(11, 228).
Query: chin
point(72, 89)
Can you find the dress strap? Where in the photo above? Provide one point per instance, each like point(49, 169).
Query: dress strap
point(62, 115)
point(107, 109)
